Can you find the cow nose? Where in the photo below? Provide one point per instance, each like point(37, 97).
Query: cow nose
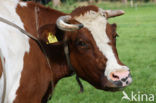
point(121, 78)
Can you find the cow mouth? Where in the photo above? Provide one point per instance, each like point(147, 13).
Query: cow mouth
point(107, 85)
point(112, 87)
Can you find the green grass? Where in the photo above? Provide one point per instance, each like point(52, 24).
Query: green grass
point(136, 48)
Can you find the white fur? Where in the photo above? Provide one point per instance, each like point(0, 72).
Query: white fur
point(96, 23)
point(23, 4)
point(14, 45)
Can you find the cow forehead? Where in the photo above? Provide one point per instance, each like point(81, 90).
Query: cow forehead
point(96, 23)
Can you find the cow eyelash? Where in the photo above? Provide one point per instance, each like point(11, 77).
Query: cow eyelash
point(81, 43)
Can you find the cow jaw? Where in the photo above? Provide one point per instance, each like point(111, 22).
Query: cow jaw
point(96, 24)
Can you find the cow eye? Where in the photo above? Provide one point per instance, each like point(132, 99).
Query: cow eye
point(81, 43)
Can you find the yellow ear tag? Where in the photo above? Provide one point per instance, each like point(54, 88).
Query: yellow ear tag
point(51, 38)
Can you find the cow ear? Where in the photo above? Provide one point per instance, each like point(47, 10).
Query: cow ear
point(114, 26)
point(51, 39)
point(50, 34)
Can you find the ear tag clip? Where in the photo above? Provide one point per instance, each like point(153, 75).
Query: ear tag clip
point(51, 38)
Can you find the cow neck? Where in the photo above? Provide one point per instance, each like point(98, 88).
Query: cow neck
point(61, 71)
point(38, 41)
point(72, 70)
point(36, 10)
point(66, 49)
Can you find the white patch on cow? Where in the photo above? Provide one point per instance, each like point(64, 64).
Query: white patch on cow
point(96, 23)
point(23, 4)
point(13, 45)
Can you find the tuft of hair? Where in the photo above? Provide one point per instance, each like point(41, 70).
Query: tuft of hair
point(83, 9)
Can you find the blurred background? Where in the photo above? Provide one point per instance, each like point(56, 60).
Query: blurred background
point(136, 47)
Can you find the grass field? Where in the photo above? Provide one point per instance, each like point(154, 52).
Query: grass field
point(136, 47)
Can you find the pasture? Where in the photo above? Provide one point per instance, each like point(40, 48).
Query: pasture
point(136, 46)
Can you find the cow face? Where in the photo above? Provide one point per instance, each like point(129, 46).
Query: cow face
point(93, 51)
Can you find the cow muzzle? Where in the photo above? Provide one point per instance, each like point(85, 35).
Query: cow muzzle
point(120, 78)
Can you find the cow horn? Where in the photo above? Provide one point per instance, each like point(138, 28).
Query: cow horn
point(112, 13)
point(63, 25)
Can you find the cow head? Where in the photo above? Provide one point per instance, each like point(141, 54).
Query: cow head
point(92, 46)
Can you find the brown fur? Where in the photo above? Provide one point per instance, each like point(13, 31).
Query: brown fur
point(92, 69)
point(35, 77)
point(82, 10)
point(111, 32)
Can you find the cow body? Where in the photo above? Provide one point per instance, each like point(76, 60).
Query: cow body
point(30, 73)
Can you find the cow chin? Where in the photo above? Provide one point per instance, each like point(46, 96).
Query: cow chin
point(107, 85)
point(112, 89)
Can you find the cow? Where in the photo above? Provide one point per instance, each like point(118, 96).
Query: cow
point(31, 74)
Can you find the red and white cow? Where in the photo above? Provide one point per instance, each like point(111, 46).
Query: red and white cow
point(92, 50)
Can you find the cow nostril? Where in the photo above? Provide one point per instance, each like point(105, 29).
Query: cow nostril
point(115, 76)
point(124, 79)
point(126, 82)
